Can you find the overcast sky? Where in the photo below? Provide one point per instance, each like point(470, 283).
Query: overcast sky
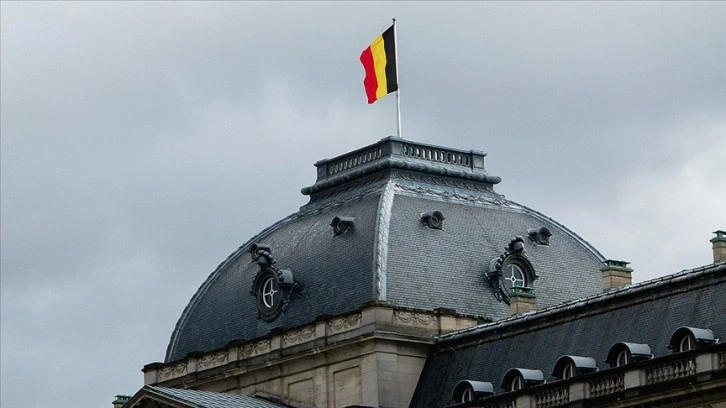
point(142, 143)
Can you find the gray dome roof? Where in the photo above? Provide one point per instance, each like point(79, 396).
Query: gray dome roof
point(390, 254)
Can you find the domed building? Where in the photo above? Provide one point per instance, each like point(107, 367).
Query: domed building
point(385, 289)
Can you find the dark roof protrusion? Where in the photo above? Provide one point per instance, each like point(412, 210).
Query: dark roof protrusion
point(433, 220)
point(582, 365)
point(480, 388)
point(341, 224)
point(701, 336)
point(530, 377)
point(636, 351)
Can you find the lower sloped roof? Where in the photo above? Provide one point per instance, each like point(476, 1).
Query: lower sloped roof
point(645, 313)
point(181, 398)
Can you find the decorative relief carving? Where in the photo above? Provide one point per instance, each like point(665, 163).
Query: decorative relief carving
point(254, 348)
point(299, 336)
point(213, 359)
point(175, 370)
point(344, 323)
point(413, 318)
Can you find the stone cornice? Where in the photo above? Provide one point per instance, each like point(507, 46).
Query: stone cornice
point(374, 320)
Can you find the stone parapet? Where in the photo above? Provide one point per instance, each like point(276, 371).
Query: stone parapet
point(682, 377)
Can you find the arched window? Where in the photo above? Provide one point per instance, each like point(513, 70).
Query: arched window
point(572, 366)
point(621, 354)
point(686, 344)
point(623, 358)
point(519, 378)
point(517, 383)
point(568, 371)
point(467, 395)
point(690, 338)
point(467, 390)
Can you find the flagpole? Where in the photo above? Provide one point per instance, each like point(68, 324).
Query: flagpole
point(398, 79)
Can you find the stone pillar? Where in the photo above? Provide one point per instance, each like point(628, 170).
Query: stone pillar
point(719, 246)
point(522, 300)
point(615, 275)
point(120, 401)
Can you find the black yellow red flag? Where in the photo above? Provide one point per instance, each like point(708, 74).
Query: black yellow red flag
point(379, 62)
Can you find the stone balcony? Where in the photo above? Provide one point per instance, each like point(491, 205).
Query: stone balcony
point(697, 376)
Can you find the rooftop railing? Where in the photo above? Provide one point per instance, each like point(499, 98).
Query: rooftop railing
point(671, 371)
point(391, 147)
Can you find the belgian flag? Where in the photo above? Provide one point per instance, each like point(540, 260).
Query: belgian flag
point(379, 62)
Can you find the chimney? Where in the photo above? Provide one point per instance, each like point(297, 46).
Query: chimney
point(522, 300)
point(719, 246)
point(120, 401)
point(615, 275)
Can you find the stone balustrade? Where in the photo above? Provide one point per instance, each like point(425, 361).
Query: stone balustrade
point(616, 382)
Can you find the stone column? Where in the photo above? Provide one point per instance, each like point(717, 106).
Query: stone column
point(120, 400)
point(615, 275)
point(719, 246)
point(522, 300)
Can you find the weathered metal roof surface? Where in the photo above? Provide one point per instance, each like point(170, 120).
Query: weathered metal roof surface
point(646, 313)
point(205, 399)
point(389, 255)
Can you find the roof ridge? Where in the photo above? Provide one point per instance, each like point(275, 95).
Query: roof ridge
point(570, 232)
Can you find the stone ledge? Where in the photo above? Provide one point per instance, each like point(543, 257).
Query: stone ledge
point(325, 332)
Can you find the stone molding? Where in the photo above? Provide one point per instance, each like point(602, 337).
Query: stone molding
point(253, 349)
point(213, 359)
point(298, 336)
point(329, 331)
point(345, 323)
point(172, 371)
point(412, 318)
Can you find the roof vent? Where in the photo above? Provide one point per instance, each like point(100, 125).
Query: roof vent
point(689, 338)
point(615, 275)
point(540, 236)
point(467, 390)
point(341, 224)
point(520, 378)
point(572, 366)
point(719, 246)
point(434, 220)
point(622, 353)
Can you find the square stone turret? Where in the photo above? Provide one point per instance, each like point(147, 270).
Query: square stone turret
point(719, 246)
point(615, 275)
